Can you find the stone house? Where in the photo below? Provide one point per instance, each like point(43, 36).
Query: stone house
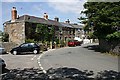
point(19, 27)
point(79, 32)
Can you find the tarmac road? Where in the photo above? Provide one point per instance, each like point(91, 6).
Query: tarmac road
point(20, 61)
point(80, 57)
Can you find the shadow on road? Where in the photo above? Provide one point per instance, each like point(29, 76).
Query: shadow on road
point(63, 73)
point(29, 54)
point(96, 48)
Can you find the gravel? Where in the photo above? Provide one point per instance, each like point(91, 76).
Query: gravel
point(58, 74)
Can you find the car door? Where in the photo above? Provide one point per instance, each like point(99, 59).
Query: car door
point(30, 47)
point(24, 48)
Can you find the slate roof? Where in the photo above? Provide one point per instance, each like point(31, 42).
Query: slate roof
point(66, 25)
point(33, 19)
point(76, 26)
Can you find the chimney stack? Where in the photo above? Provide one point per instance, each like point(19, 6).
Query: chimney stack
point(45, 16)
point(14, 13)
point(68, 21)
point(56, 19)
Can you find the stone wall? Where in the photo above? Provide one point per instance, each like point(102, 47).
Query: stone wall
point(16, 31)
point(8, 46)
point(110, 46)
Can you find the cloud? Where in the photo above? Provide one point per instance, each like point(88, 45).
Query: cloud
point(9, 0)
point(37, 7)
point(24, 0)
point(65, 6)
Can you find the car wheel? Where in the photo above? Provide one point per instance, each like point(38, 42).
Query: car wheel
point(14, 52)
point(35, 51)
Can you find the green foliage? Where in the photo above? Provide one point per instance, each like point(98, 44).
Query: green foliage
point(103, 17)
point(92, 36)
point(44, 33)
point(114, 36)
point(57, 41)
point(5, 37)
point(30, 41)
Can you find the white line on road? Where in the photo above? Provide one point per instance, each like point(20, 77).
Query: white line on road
point(33, 57)
point(44, 71)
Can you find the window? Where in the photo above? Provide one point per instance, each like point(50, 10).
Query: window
point(32, 45)
point(65, 38)
point(60, 38)
point(24, 45)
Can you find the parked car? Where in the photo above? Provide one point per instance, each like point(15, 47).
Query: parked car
point(2, 64)
point(74, 43)
point(2, 50)
point(78, 43)
point(26, 48)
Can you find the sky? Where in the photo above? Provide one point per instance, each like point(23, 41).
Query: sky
point(63, 9)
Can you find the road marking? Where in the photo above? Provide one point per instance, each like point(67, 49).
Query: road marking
point(33, 57)
point(40, 66)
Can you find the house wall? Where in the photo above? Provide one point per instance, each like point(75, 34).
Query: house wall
point(65, 34)
point(16, 31)
point(19, 31)
point(68, 34)
point(78, 32)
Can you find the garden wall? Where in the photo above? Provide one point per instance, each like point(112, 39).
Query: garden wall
point(110, 46)
point(8, 46)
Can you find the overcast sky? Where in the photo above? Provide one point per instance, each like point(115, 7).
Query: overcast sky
point(64, 9)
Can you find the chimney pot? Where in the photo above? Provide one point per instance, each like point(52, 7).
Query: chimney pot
point(45, 16)
point(68, 21)
point(56, 19)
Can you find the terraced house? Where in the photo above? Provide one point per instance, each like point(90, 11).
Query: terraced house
point(24, 27)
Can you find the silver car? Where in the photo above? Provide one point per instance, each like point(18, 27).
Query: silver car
point(2, 50)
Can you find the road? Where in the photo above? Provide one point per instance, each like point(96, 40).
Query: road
point(80, 57)
point(21, 61)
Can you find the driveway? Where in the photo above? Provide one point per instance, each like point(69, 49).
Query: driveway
point(80, 57)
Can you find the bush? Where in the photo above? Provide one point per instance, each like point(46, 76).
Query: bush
point(57, 41)
point(30, 41)
point(5, 37)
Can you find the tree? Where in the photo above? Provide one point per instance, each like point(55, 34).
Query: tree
point(103, 18)
point(5, 37)
point(44, 33)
